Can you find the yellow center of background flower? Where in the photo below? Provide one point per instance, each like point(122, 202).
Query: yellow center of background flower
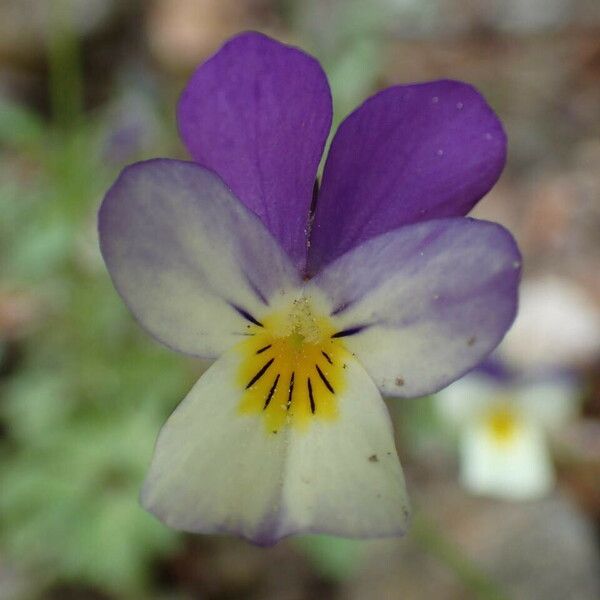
point(292, 369)
point(502, 423)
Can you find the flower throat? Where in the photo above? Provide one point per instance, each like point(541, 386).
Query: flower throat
point(292, 368)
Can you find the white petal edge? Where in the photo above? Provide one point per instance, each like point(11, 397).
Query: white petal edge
point(217, 471)
point(183, 252)
point(516, 469)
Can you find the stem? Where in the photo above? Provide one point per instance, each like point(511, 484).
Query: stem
point(65, 81)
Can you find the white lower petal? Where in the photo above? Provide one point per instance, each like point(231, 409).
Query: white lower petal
point(516, 469)
point(218, 470)
point(215, 470)
point(344, 477)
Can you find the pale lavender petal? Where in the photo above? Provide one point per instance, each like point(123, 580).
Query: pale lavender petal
point(497, 370)
point(408, 154)
point(258, 113)
point(192, 263)
point(425, 303)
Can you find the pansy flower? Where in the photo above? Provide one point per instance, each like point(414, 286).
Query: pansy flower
point(314, 300)
point(504, 419)
point(507, 410)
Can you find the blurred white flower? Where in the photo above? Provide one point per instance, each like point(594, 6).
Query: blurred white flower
point(504, 410)
point(503, 425)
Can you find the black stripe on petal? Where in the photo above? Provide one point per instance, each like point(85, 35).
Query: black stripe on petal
point(313, 408)
point(327, 357)
point(271, 392)
point(247, 315)
point(260, 373)
point(347, 332)
point(324, 379)
point(291, 391)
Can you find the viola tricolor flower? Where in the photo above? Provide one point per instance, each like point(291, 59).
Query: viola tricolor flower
point(506, 410)
point(504, 419)
point(314, 301)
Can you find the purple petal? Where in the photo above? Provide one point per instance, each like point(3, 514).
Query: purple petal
point(192, 263)
point(431, 301)
point(408, 154)
point(494, 368)
point(258, 113)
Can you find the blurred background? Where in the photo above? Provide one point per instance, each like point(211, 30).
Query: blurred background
point(87, 86)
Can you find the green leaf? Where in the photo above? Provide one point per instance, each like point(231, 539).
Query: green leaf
point(19, 126)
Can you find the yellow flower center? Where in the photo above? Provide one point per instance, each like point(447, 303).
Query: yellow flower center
point(292, 368)
point(502, 423)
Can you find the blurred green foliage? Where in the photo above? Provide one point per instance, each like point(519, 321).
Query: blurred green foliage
point(348, 40)
point(334, 558)
point(89, 393)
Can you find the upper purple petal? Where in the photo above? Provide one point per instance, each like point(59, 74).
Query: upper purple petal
point(258, 113)
point(408, 154)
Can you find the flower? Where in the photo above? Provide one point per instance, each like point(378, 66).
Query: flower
point(313, 302)
point(506, 408)
point(504, 419)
